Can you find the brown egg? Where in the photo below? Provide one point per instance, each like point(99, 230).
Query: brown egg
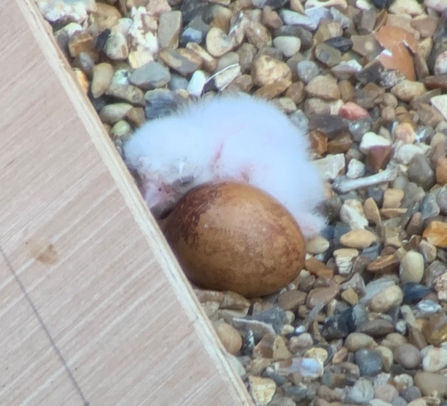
point(231, 236)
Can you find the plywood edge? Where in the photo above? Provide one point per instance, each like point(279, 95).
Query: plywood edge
point(135, 203)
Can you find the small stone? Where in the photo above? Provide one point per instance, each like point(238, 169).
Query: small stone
point(356, 169)
point(362, 392)
point(411, 267)
point(209, 63)
point(436, 234)
point(406, 152)
point(411, 7)
point(386, 393)
point(359, 239)
point(441, 64)
point(116, 47)
point(317, 245)
point(435, 359)
point(441, 171)
point(292, 18)
point(217, 42)
point(197, 83)
point(387, 299)
point(371, 139)
point(353, 111)
point(261, 389)
point(229, 336)
point(344, 259)
point(371, 211)
point(369, 362)
point(182, 60)
point(386, 355)
point(102, 77)
point(340, 144)
point(150, 76)
point(321, 295)
point(324, 87)
point(428, 382)
point(351, 213)
point(306, 367)
point(440, 103)
point(112, 113)
point(169, 27)
point(408, 90)
point(289, 46)
point(392, 198)
point(440, 286)
point(327, 55)
point(357, 341)
point(331, 166)
point(408, 356)
point(266, 70)
point(420, 172)
point(307, 70)
point(223, 78)
point(291, 299)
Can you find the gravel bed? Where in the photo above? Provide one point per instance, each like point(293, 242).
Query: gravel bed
point(365, 322)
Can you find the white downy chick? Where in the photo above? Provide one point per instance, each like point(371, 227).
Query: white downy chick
point(236, 137)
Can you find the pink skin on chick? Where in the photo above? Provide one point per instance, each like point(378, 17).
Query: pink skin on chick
point(235, 137)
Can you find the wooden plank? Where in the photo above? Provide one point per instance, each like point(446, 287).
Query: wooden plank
point(93, 306)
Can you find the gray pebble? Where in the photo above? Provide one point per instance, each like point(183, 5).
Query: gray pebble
point(362, 392)
point(307, 70)
point(411, 393)
point(161, 103)
point(369, 362)
point(429, 206)
point(441, 199)
point(150, 76)
point(420, 172)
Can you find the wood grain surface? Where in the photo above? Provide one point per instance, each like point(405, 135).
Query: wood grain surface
point(94, 309)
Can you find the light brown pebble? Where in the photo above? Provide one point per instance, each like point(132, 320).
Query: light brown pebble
point(359, 239)
point(441, 171)
point(357, 341)
point(324, 87)
point(169, 27)
point(291, 299)
point(392, 198)
point(386, 393)
point(350, 296)
point(371, 211)
point(112, 113)
point(408, 356)
point(408, 90)
point(390, 297)
point(428, 382)
point(267, 70)
point(229, 336)
point(317, 245)
point(436, 234)
point(102, 77)
point(261, 389)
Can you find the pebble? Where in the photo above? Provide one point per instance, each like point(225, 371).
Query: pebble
point(229, 337)
point(368, 361)
point(267, 70)
point(371, 139)
point(434, 359)
point(411, 267)
point(344, 259)
point(408, 356)
point(182, 60)
point(428, 382)
point(324, 87)
point(359, 238)
point(386, 392)
point(440, 286)
point(440, 103)
point(361, 392)
point(407, 90)
point(390, 297)
point(331, 166)
point(116, 47)
point(261, 389)
point(102, 77)
point(307, 70)
point(356, 169)
point(112, 113)
point(289, 46)
point(351, 213)
point(150, 76)
point(357, 341)
point(291, 299)
point(420, 172)
point(169, 27)
point(436, 234)
point(317, 245)
point(386, 355)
